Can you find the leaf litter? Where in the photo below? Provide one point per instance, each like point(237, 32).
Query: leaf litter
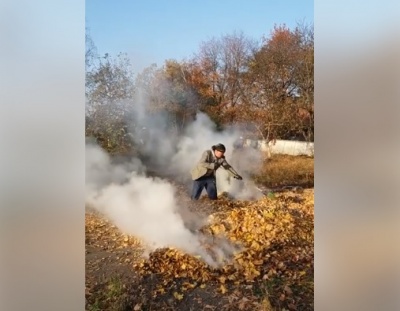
point(274, 265)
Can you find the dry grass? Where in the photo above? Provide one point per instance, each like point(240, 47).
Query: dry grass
point(285, 170)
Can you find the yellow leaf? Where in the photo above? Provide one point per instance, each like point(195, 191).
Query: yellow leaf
point(255, 245)
point(266, 304)
point(188, 285)
point(223, 289)
point(178, 296)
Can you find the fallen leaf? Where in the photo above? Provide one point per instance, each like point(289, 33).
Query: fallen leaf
point(178, 296)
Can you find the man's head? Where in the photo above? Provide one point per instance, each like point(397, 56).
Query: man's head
point(219, 150)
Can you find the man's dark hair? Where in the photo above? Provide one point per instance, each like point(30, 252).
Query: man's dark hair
point(219, 147)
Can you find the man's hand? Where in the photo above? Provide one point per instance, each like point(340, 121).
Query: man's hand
point(220, 161)
point(238, 177)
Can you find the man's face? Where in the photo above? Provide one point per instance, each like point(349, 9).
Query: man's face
point(218, 154)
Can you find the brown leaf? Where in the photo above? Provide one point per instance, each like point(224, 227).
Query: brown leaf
point(288, 290)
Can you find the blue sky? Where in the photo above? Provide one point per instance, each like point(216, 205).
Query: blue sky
point(151, 31)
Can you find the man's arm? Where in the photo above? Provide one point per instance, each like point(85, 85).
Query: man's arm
point(203, 161)
point(231, 170)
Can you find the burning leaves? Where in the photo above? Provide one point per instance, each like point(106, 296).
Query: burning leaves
point(273, 259)
point(276, 236)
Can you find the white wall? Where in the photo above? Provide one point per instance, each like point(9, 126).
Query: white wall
point(289, 147)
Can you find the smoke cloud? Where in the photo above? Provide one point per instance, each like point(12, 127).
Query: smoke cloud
point(174, 155)
point(143, 206)
point(147, 207)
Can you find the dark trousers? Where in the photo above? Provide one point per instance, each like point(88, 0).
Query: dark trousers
point(207, 182)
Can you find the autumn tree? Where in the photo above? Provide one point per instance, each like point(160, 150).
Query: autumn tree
point(168, 92)
point(268, 90)
point(280, 78)
point(178, 96)
point(304, 77)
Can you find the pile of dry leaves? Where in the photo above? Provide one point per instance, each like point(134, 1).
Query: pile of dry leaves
point(274, 264)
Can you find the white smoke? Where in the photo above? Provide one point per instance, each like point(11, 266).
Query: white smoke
point(175, 155)
point(147, 207)
point(200, 136)
point(142, 206)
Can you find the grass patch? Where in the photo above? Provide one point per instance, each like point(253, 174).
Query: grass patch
point(113, 296)
point(115, 288)
point(95, 307)
point(286, 170)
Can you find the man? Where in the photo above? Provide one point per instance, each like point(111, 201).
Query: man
point(203, 174)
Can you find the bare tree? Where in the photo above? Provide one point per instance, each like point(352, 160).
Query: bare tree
point(110, 91)
point(90, 50)
point(224, 62)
